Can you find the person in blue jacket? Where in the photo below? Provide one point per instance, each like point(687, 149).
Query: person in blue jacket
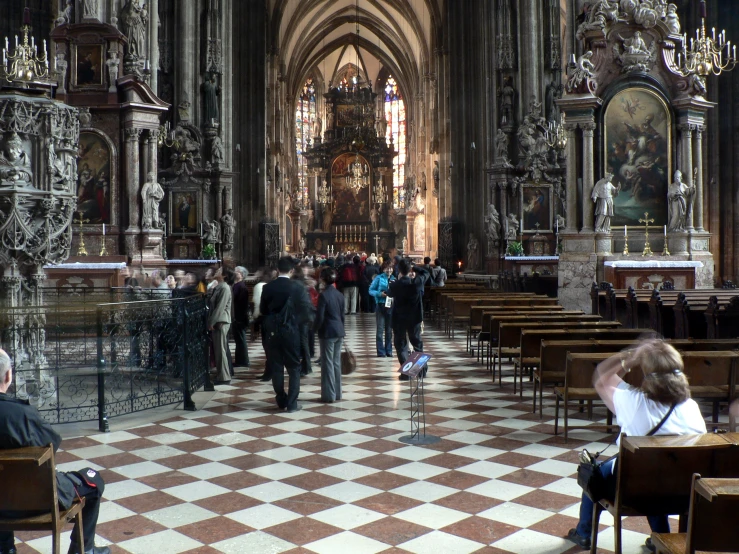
point(384, 334)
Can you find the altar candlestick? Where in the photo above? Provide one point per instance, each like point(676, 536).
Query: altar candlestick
point(626, 232)
point(665, 230)
point(103, 229)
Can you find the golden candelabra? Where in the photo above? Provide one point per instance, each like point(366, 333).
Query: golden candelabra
point(706, 55)
point(665, 250)
point(81, 250)
point(25, 64)
point(646, 221)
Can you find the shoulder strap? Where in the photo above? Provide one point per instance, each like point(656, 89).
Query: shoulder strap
point(662, 422)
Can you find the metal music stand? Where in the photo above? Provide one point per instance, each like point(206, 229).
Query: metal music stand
point(413, 368)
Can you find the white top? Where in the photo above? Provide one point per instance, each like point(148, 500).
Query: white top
point(256, 297)
point(78, 265)
point(533, 258)
point(653, 263)
point(637, 415)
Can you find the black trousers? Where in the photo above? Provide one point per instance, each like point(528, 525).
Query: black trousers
point(242, 353)
point(305, 350)
point(90, 514)
point(404, 332)
point(279, 359)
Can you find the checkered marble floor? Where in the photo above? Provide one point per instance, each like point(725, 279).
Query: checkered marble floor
point(238, 476)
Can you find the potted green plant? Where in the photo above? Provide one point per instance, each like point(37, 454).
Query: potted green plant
point(209, 252)
point(515, 248)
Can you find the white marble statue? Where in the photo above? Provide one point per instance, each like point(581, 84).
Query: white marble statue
point(603, 193)
point(492, 225)
point(228, 226)
point(501, 147)
point(375, 218)
point(15, 165)
point(317, 127)
point(679, 195)
point(511, 231)
point(152, 194)
point(672, 20)
point(133, 18)
point(112, 62)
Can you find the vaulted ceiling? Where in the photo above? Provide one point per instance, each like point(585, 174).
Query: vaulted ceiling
point(320, 37)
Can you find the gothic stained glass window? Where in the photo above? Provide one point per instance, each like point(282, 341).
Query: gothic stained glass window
point(395, 117)
point(305, 115)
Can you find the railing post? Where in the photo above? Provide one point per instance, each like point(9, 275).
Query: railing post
point(188, 403)
point(103, 426)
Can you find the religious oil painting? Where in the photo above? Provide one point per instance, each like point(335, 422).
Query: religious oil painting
point(93, 178)
point(637, 152)
point(350, 205)
point(89, 65)
point(346, 115)
point(184, 212)
point(536, 208)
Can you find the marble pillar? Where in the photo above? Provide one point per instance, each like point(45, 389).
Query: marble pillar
point(187, 29)
point(686, 163)
point(588, 175)
point(698, 159)
point(132, 178)
point(153, 7)
point(503, 186)
point(151, 143)
point(571, 178)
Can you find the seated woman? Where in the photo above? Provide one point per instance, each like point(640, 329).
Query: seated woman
point(639, 411)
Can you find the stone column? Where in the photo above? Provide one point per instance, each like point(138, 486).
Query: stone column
point(698, 160)
point(151, 143)
point(153, 7)
point(132, 178)
point(686, 163)
point(220, 197)
point(588, 175)
point(571, 178)
point(187, 33)
point(503, 186)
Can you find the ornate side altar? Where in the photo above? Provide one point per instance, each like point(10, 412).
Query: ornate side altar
point(624, 97)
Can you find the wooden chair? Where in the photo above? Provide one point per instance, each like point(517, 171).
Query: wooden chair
point(655, 476)
point(712, 527)
point(712, 377)
point(28, 477)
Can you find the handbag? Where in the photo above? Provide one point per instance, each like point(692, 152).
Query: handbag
point(591, 479)
point(348, 362)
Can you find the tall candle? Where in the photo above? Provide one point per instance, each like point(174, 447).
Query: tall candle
point(103, 229)
point(665, 230)
point(626, 233)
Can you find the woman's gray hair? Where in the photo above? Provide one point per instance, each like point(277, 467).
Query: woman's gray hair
point(4, 364)
point(241, 269)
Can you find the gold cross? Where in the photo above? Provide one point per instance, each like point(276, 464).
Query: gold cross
point(537, 227)
point(647, 220)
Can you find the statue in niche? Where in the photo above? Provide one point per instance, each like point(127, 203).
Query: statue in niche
point(65, 16)
point(375, 218)
point(561, 222)
point(15, 165)
point(134, 17)
point(511, 231)
point(216, 150)
point(602, 195)
point(501, 148)
point(437, 177)
point(90, 9)
point(302, 243)
point(382, 128)
point(61, 71)
point(152, 194)
point(507, 96)
point(211, 91)
point(492, 226)
point(328, 217)
point(472, 252)
point(112, 62)
point(317, 127)
point(329, 118)
point(228, 224)
point(278, 174)
point(583, 77)
point(672, 20)
point(679, 197)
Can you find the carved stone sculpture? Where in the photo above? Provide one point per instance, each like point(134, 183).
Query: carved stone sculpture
point(61, 72)
point(375, 218)
point(211, 91)
point(507, 96)
point(473, 247)
point(317, 127)
point(679, 196)
point(66, 15)
point(437, 177)
point(602, 195)
point(133, 18)
point(561, 221)
point(90, 9)
point(328, 217)
point(216, 150)
point(15, 164)
point(329, 119)
point(600, 12)
point(152, 194)
point(492, 227)
point(228, 225)
point(582, 79)
point(635, 56)
point(381, 128)
point(511, 232)
point(112, 62)
point(672, 20)
point(501, 148)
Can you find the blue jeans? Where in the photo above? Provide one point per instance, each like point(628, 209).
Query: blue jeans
point(658, 524)
point(384, 333)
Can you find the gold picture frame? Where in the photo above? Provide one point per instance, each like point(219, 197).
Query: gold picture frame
point(88, 62)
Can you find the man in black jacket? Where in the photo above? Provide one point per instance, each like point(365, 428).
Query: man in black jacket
point(407, 295)
point(281, 327)
point(21, 426)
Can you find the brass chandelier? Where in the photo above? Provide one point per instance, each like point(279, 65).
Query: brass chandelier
point(706, 55)
point(24, 63)
point(358, 177)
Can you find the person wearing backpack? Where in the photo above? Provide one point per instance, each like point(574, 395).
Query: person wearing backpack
point(287, 309)
point(350, 284)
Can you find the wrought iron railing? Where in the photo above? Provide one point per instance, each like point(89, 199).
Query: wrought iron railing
point(86, 361)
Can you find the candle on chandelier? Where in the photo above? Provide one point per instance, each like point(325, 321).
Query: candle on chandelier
point(103, 229)
point(5, 57)
point(626, 232)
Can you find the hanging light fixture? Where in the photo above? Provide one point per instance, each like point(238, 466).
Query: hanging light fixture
point(706, 55)
point(358, 177)
point(24, 64)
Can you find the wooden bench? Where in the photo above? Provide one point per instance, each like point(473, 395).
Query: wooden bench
point(712, 377)
point(712, 519)
point(654, 475)
point(35, 465)
point(457, 308)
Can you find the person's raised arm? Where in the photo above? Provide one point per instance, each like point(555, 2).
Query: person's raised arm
point(607, 376)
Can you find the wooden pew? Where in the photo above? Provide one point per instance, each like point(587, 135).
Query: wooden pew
point(509, 334)
point(655, 475)
point(457, 308)
point(714, 505)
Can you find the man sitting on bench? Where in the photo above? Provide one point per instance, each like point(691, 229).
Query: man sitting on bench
point(21, 426)
point(641, 412)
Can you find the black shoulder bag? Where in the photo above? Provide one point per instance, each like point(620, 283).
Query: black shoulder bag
point(590, 478)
